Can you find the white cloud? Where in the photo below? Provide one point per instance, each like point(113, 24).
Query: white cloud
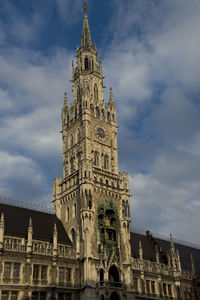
point(154, 66)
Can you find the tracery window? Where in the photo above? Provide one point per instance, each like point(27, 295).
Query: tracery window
point(72, 165)
point(97, 112)
point(96, 158)
point(95, 93)
point(78, 135)
point(73, 235)
point(106, 162)
point(71, 140)
point(92, 109)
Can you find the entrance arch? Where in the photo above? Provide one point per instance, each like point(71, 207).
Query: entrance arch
point(113, 274)
point(114, 296)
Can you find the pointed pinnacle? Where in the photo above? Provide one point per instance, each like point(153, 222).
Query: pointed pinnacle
point(85, 7)
point(86, 36)
point(111, 99)
point(2, 217)
point(30, 222)
point(65, 99)
point(171, 241)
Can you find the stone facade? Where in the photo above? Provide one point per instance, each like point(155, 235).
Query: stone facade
point(101, 259)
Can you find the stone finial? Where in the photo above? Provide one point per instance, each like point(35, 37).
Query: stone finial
point(2, 220)
point(192, 263)
point(157, 255)
point(168, 259)
point(85, 7)
point(171, 242)
point(1, 230)
point(140, 250)
point(178, 260)
point(55, 240)
point(30, 235)
point(30, 223)
point(65, 99)
point(111, 98)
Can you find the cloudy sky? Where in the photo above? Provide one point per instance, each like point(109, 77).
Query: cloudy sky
point(151, 58)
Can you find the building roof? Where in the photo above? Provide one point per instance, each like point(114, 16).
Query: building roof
point(17, 221)
point(149, 243)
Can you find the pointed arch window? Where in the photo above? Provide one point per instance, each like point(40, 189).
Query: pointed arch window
point(106, 162)
point(78, 135)
point(67, 214)
point(73, 236)
point(92, 109)
point(74, 210)
point(96, 158)
point(97, 112)
point(108, 116)
point(95, 93)
point(72, 165)
point(71, 140)
point(86, 64)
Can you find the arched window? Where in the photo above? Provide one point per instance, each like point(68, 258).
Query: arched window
point(113, 274)
point(72, 165)
point(86, 63)
point(123, 209)
point(108, 116)
point(96, 158)
point(95, 93)
point(106, 162)
point(114, 296)
point(127, 209)
point(73, 237)
point(90, 203)
point(71, 140)
point(92, 109)
point(67, 214)
point(97, 112)
point(101, 275)
point(74, 210)
point(78, 135)
point(103, 114)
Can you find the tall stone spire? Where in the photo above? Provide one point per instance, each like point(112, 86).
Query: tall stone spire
point(86, 36)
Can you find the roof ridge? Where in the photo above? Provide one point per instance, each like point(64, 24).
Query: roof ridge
point(166, 238)
point(25, 205)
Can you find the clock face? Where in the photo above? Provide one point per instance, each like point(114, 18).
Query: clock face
point(101, 133)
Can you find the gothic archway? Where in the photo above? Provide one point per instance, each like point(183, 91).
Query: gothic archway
point(114, 296)
point(113, 274)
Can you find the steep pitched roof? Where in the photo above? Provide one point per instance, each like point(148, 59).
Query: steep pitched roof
point(149, 250)
point(184, 252)
point(17, 221)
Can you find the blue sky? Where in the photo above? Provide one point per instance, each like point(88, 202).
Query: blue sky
point(151, 58)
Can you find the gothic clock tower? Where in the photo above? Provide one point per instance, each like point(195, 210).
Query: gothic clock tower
point(92, 198)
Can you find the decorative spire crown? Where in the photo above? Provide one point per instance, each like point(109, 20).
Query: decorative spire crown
point(86, 36)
